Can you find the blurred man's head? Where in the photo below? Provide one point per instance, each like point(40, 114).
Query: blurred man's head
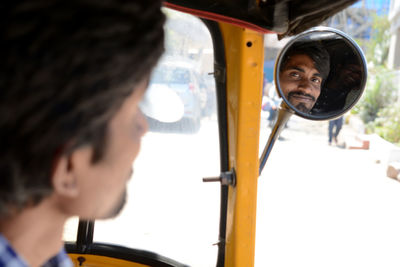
point(302, 73)
point(71, 78)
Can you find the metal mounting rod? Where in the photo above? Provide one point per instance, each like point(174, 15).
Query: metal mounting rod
point(284, 114)
point(226, 178)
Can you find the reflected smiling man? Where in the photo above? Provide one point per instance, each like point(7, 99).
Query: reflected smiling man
point(72, 76)
point(303, 70)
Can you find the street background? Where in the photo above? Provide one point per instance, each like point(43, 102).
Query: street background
point(318, 205)
point(321, 205)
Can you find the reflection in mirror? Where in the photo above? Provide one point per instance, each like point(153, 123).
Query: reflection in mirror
point(321, 75)
point(303, 70)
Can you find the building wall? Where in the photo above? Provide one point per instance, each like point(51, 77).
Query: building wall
point(394, 50)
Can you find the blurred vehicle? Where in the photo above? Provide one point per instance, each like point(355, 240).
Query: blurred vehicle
point(181, 77)
point(207, 84)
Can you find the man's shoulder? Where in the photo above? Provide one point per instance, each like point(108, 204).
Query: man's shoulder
point(59, 260)
point(10, 258)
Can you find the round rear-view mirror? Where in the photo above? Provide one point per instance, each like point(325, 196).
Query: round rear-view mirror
point(321, 73)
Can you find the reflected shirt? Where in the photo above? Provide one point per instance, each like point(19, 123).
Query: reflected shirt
point(9, 258)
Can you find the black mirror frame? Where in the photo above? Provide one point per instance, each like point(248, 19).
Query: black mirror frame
point(351, 43)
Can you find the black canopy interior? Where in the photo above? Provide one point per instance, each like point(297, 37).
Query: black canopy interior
point(284, 17)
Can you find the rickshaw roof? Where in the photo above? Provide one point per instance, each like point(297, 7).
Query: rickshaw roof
point(284, 17)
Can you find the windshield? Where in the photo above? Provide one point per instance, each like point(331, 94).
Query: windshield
point(165, 74)
point(170, 211)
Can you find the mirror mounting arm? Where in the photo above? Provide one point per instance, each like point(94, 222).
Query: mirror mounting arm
point(284, 114)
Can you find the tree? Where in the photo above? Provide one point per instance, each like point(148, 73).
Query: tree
point(378, 45)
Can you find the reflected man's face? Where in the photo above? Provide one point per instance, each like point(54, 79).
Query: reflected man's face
point(301, 82)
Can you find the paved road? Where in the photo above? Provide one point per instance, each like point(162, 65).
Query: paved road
point(325, 206)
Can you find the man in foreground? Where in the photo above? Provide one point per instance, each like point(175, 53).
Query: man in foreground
point(303, 70)
point(72, 76)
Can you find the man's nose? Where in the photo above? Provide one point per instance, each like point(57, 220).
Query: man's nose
point(305, 85)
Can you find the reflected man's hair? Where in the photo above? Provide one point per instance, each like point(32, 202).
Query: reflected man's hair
point(66, 68)
point(315, 50)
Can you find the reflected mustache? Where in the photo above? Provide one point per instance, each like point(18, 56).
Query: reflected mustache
point(294, 93)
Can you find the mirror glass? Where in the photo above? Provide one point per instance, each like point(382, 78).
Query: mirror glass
point(321, 73)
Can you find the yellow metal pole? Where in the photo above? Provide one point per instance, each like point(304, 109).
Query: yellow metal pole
point(244, 59)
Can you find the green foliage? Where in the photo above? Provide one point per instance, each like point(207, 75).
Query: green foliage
point(379, 107)
point(387, 124)
point(380, 93)
point(378, 45)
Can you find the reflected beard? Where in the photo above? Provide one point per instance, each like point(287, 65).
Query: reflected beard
point(118, 207)
point(301, 107)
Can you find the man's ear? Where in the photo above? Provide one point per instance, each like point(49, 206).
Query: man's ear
point(64, 178)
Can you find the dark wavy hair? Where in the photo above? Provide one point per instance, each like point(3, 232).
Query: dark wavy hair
point(66, 67)
point(315, 50)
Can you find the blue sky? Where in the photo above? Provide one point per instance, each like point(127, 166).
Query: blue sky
point(381, 6)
